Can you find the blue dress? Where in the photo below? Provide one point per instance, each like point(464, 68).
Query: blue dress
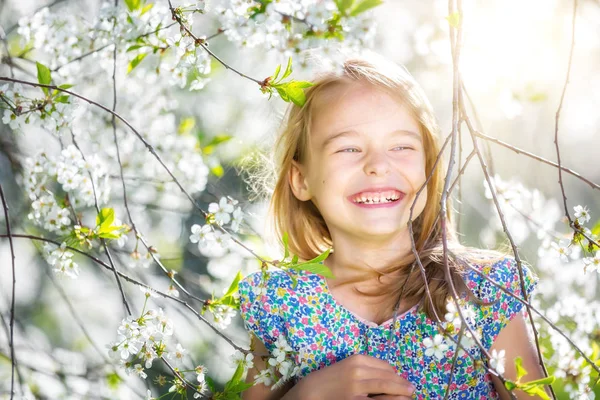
point(321, 331)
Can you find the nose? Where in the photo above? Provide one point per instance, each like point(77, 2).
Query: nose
point(376, 163)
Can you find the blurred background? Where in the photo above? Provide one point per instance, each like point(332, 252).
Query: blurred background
point(208, 125)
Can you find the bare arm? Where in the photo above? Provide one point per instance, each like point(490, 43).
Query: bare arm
point(514, 339)
point(260, 391)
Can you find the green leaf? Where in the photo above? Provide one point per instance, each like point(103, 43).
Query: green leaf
point(295, 259)
point(519, 366)
point(315, 268)
point(113, 380)
point(343, 5)
point(237, 375)
point(210, 383)
point(288, 69)
point(510, 385)
point(105, 217)
point(239, 387)
point(276, 74)
point(319, 258)
point(364, 6)
point(596, 228)
point(186, 125)
point(285, 245)
point(136, 61)
point(217, 140)
point(43, 75)
point(108, 235)
point(62, 99)
point(234, 285)
point(133, 5)
point(454, 19)
point(282, 93)
point(65, 86)
point(134, 47)
point(536, 390)
point(537, 97)
point(146, 8)
point(217, 171)
point(549, 380)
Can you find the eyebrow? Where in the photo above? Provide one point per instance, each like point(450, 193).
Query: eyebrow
point(354, 133)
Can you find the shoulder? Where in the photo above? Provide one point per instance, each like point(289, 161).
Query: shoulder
point(274, 284)
point(490, 277)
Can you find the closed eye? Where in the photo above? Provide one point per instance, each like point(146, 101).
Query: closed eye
point(402, 148)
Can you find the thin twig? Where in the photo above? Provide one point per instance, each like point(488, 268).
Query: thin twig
point(13, 359)
point(136, 282)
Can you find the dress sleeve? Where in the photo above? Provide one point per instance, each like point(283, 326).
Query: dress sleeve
point(493, 317)
point(258, 308)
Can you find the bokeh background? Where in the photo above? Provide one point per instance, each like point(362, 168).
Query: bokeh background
point(514, 65)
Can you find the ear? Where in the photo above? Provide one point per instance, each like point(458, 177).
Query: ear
point(298, 182)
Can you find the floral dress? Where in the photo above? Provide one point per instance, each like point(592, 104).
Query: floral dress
point(321, 331)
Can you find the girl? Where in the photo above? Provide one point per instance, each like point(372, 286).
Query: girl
point(351, 163)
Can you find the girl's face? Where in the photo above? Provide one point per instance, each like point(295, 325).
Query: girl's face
point(365, 163)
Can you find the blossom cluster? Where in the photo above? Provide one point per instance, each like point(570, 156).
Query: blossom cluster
point(61, 260)
point(140, 341)
point(207, 236)
point(282, 362)
point(290, 27)
point(74, 175)
point(53, 113)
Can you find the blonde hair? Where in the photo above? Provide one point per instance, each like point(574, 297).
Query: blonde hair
point(306, 228)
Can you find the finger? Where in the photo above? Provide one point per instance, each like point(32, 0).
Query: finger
point(372, 362)
point(385, 386)
point(368, 373)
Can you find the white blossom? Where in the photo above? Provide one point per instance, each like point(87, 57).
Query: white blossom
point(435, 347)
point(221, 210)
point(582, 214)
point(497, 360)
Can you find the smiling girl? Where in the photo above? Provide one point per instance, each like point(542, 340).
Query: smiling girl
point(351, 163)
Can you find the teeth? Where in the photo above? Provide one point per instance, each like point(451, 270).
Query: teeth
point(376, 198)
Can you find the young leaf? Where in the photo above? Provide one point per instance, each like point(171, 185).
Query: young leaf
point(136, 61)
point(285, 244)
point(65, 86)
point(105, 217)
point(234, 285)
point(319, 258)
point(454, 19)
point(134, 47)
point(315, 268)
point(520, 370)
point(343, 5)
point(43, 75)
point(288, 69)
point(276, 74)
point(133, 5)
point(364, 6)
point(146, 8)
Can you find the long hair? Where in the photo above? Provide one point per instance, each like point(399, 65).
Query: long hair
point(307, 232)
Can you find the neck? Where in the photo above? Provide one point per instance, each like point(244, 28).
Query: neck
point(354, 256)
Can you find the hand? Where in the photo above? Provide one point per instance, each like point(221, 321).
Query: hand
point(358, 377)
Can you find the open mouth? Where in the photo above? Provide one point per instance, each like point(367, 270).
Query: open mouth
point(388, 196)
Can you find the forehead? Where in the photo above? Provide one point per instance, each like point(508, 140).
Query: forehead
point(359, 106)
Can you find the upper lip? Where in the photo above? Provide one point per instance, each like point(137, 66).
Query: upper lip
point(375, 190)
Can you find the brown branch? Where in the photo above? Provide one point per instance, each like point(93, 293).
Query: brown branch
point(13, 359)
point(102, 240)
point(517, 150)
point(138, 283)
point(148, 146)
point(562, 97)
point(200, 42)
